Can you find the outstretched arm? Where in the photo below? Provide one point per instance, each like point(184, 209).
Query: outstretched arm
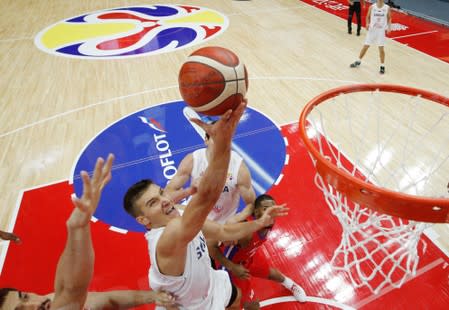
point(180, 231)
point(75, 266)
point(229, 232)
point(246, 190)
point(126, 299)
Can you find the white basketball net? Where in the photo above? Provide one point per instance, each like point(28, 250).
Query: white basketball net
point(387, 138)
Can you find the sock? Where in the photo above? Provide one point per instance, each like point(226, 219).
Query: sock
point(287, 283)
point(382, 65)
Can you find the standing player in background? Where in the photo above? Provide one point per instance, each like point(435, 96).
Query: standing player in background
point(355, 6)
point(244, 259)
point(378, 21)
point(238, 183)
point(76, 264)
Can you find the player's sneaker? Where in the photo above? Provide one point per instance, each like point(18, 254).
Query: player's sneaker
point(298, 292)
point(382, 70)
point(355, 64)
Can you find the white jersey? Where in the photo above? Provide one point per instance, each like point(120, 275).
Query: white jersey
point(228, 202)
point(199, 287)
point(379, 17)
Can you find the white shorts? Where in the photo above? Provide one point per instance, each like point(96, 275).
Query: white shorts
point(218, 296)
point(375, 36)
point(222, 290)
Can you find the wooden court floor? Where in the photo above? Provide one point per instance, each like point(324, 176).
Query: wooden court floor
point(54, 105)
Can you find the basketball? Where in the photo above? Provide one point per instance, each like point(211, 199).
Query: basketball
point(213, 80)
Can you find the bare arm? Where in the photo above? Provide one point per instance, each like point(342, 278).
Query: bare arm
point(180, 231)
point(126, 299)
point(246, 190)
point(368, 17)
point(182, 175)
point(227, 232)
point(389, 20)
point(75, 266)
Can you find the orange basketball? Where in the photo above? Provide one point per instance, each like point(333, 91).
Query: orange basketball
point(213, 80)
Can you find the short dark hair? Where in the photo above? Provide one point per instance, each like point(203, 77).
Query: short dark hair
point(132, 194)
point(3, 293)
point(261, 198)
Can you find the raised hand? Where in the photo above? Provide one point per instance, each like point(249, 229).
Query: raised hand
point(271, 213)
point(92, 188)
point(9, 236)
point(224, 128)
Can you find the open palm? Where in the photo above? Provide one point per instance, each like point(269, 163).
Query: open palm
point(92, 188)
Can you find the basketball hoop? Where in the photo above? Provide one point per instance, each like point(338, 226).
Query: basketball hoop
point(382, 159)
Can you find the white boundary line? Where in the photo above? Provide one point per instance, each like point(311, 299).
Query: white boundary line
point(318, 300)
point(414, 34)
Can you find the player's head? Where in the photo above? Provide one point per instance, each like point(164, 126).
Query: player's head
point(261, 204)
point(11, 298)
point(146, 202)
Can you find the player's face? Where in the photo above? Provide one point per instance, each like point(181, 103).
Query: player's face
point(263, 207)
point(157, 209)
point(26, 301)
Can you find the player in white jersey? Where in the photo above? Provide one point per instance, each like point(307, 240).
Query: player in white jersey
point(76, 264)
point(378, 21)
point(238, 183)
point(180, 262)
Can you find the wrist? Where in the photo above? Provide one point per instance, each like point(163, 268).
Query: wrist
point(260, 223)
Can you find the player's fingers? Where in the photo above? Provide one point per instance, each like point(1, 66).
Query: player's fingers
point(97, 171)
point(108, 165)
point(199, 122)
point(238, 112)
point(106, 172)
point(78, 203)
point(226, 115)
point(86, 183)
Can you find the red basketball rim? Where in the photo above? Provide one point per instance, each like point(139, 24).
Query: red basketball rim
point(418, 208)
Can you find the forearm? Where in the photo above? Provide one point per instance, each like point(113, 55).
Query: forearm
point(238, 231)
point(75, 267)
point(216, 254)
point(214, 177)
point(122, 299)
point(242, 215)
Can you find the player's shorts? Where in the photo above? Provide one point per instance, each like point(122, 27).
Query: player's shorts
point(375, 36)
point(258, 267)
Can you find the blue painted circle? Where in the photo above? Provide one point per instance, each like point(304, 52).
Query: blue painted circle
point(152, 142)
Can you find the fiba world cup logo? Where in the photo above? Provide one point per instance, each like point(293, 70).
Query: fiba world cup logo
point(131, 31)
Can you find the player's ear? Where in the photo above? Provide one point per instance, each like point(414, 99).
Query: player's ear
point(143, 220)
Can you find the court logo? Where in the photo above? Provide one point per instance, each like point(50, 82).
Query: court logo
point(131, 31)
point(152, 123)
point(151, 143)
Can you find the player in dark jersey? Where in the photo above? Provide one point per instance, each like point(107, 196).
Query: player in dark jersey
point(243, 259)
